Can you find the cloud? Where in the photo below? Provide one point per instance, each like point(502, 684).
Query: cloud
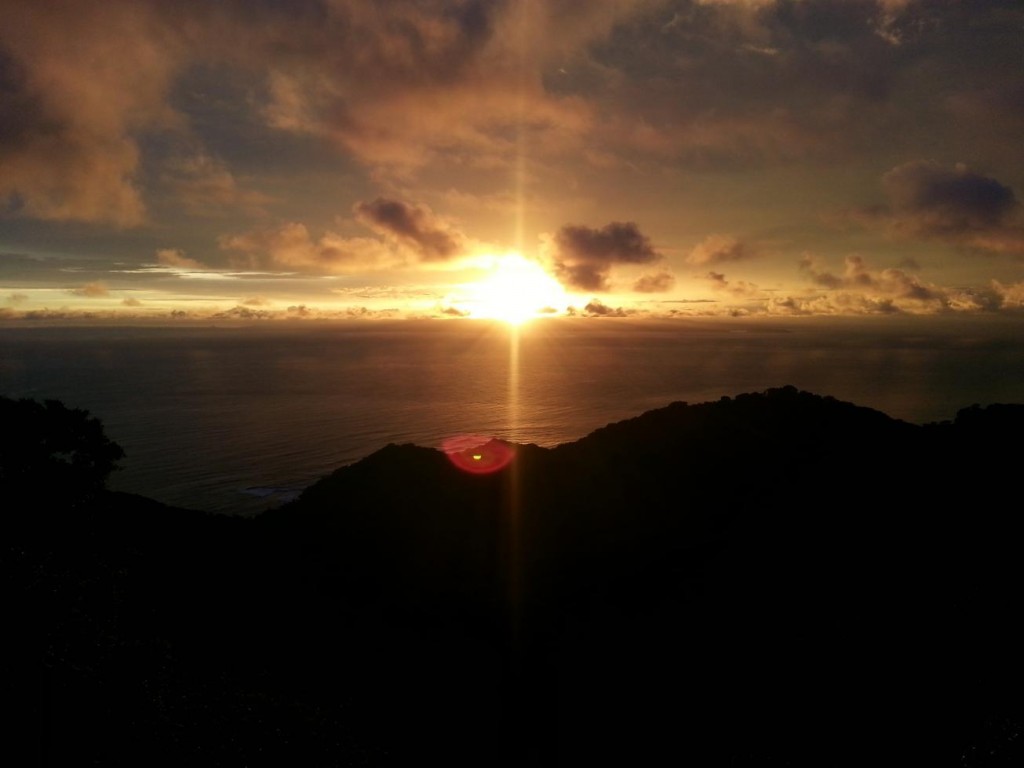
point(992, 109)
point(91, 290)
point(656, 283)
point(930, 200)
point(716, 249)
point(839, 304)
point(295, 312)
point(1009, 295)
point(741, 84)
point(1009, 240)
point(375, 292)
point(291, 247)
point(415, 227)
point(584, 256)
point(466, 85)
point(394, 85)
point(77, 83)
point(174, 257)
point(954, 205)
point(740, 289)
point(895, 283)
point(751, 83)
point(854, 274)
point(861, 289)
point(243, 313)
point(401, 85)
point(597, 308)
point(206, 187)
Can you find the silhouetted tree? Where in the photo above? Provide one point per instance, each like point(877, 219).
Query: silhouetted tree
point(49, 452)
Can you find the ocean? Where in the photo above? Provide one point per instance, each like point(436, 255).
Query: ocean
point(237, 418)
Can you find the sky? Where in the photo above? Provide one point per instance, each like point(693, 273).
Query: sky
point(268, 159)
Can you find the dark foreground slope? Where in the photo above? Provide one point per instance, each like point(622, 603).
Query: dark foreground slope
point(774, 579)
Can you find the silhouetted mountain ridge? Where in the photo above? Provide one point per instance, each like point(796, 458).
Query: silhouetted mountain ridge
point(777, 578)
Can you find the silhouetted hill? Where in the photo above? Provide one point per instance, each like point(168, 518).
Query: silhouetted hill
point(773, 579)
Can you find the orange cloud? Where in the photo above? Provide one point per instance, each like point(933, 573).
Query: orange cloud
point(173, 257)
point(91, 290)
point(656, 283)
point(82, 79)
point(291, 247)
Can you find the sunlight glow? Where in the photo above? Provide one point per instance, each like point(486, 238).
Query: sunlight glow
point(515, 290)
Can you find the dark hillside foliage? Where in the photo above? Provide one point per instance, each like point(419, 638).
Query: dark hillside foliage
point(773, 579)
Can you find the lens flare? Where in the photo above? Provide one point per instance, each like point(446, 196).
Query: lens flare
point(478, 455)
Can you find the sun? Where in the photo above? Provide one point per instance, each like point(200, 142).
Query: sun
point(515, 290)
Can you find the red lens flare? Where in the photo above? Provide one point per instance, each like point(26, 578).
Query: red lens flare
point(478, 455)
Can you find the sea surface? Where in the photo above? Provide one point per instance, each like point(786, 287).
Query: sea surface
point(238, 418)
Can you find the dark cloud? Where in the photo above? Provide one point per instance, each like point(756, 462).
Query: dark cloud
point(741, 83)
point(657, 283)
point(416, 227)
point(929, 199)
point(20, 110)
point(956, 205)
point(584, 256)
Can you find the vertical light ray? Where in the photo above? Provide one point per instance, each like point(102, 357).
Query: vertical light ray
point(520, 165)
point(514, 510)
point(520, 180)
point(513, 500)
